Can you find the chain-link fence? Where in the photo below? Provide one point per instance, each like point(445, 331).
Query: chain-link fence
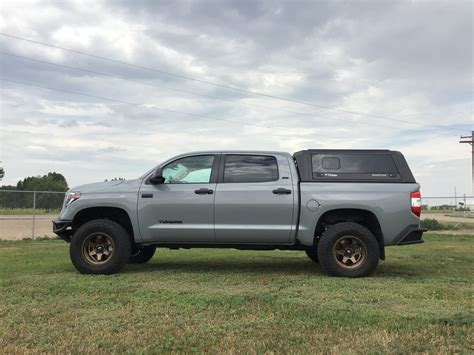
point(28, 214)
point(460, 204)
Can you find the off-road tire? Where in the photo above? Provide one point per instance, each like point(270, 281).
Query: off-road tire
point(142, 255)
point(328, 253)
point(117, 236)
point(312, 254)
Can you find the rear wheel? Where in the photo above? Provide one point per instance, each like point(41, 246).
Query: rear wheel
point(100, 246)
point(349, 250)
point(142, 255)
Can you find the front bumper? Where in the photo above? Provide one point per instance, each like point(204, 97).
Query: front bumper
point(63, 228)
point(412, 236)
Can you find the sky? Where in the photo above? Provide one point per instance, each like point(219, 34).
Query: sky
point(285, 75)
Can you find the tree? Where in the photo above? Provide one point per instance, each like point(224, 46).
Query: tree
point(2, 173)
point(49, 201)
point(51, 182)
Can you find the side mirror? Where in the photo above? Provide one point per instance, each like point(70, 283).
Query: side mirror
point(157, 177)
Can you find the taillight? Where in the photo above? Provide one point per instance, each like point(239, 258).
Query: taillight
point(416, 202)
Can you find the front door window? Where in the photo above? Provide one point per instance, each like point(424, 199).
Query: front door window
point(190, 170)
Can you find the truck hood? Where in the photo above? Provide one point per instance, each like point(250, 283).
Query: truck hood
point(108, 186)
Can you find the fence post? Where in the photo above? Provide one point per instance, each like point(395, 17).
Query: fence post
point(34, 215)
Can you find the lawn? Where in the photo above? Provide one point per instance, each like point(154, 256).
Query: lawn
point(28, 211)
point(421, 299)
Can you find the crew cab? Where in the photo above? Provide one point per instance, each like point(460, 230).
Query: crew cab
point(342, 207)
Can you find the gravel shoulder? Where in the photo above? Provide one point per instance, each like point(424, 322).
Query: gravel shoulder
point(443, 218)
point(19, 227)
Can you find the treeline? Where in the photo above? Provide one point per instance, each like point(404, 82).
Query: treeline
point(48, 201)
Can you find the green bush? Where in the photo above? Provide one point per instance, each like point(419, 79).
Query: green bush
point(432, 224)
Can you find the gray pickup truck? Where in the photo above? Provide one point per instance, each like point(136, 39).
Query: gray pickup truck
point(342, 207)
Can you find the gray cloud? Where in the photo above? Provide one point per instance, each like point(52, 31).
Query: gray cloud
point(408, 60)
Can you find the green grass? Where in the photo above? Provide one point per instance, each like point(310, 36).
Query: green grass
point(433, 224)
point(196, 300)
point(27, 211)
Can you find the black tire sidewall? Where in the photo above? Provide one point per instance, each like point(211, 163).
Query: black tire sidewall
point(142, 255)
point(332, 234)
point(312, 253)
point(121, 251)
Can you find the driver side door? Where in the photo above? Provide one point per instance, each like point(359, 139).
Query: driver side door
point(181, 209)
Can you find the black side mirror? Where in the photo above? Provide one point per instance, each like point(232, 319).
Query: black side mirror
point(157, 177)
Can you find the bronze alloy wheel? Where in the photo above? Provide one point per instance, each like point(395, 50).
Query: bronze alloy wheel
point(98, 248)
point(349, 252)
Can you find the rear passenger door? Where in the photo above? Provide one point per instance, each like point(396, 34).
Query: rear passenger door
point(254, 199)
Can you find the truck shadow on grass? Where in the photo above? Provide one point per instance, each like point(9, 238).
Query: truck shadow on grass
point(293, 267)
point(259, 267)
point(394, 270)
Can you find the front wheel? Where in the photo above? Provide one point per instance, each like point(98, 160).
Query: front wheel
point(100, 246)
point(349, 250)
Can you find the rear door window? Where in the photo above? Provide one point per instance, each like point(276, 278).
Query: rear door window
point(250, 168)
point(357, 166)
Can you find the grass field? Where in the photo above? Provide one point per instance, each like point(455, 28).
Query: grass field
point(28, 211)
point(238, 301)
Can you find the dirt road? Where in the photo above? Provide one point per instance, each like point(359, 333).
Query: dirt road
point(443, 218)
point(19, 227)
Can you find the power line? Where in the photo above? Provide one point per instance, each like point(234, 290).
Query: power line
point(213, 83)
point(179, 90)
point(150, 106)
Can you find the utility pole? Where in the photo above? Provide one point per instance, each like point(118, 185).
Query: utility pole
point(470, 140)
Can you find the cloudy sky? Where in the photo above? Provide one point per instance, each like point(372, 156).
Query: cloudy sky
point(360, 74)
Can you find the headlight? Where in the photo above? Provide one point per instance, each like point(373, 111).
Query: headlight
point(71, 197)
